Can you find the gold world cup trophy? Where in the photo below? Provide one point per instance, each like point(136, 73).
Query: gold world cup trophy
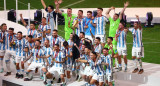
point(12, 43)
point(75, 23)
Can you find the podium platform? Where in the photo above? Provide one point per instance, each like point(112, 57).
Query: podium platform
point(150, 77)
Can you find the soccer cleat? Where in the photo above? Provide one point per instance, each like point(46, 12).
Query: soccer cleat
point(59, 80)
point(21, 76)
point(140, 71)
point(135, 70)
point(120, 69)
point(2, 70)
point(17, 75)
point(27, 79)
point(77, 77)
point(125, 70)
point(45, 82)
point(7, 74)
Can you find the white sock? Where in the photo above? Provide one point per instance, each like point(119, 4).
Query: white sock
point(116, 62)
point(140, 63)
point(125, 65)
point(135, 62)
point(1, 62)
point(44, 75)
point(8, 66)
point(22, 71)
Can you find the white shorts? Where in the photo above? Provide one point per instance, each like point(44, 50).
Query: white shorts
point(68, 67)
point(108, 77)
point(19, 59)
point(102, 37)
point(88, 71)
point(136, 52)
point(30, 60)
point(54, 69)
point(35, 65)
point(98, 77)
point(2, 52)
point(122, 51)
point(9, 54)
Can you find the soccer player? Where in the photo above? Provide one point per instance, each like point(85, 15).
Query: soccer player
point(100, 22)
point(88, 24)
point(20, 54)
point(38, 60)
point(110, 44)
point(137, 45)
point(30, 44)
point(81, 37)
point(114, 22)
point(51, 15)
point(78, 21)
point(3, 41)
point(44, 29)
point(55, 39)
point(59, 59)
point(48, 53)
point(10, 49)
point(88, 73)
point(80, 66)
point(97, 46)
point(121, 45)
point(69, 17)
point(107, 61)
point(31, 29)
point(68, 61)
point(70, 41)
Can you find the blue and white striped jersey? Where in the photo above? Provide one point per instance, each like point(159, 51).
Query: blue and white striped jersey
point(3, 37)
point(50, 20)
point(20, 45)
point(80, 25)
point(68, 59)
point(53, 41)
point(30, 45)
point(137, 37)
point(48, 51)
point(100, 25)
point(37, 52)
point(70, 43)
point(8, 41)
point(121, 40)
point(107, 59)
point(44, 28)
point(58, 56)
point(98, 68)
point(34, 33)
point(98, 48)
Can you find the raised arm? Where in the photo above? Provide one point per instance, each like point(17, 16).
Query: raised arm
point(57, 3)
point(122, 12)
point(92, 34)
point(23, 21)
point(107, 13)
point(43, 3)
point(139, 23)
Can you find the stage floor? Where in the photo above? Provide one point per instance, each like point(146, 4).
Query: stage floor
point(150, 77)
